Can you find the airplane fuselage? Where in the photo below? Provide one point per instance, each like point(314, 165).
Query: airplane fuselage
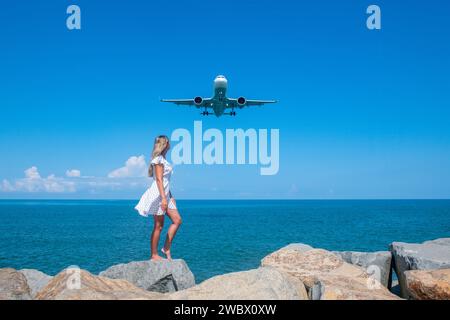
point(219, 100)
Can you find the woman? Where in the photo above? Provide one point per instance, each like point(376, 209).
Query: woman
point(158, 199)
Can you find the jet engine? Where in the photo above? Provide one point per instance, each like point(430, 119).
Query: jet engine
point(241, 101)
point(198, 101)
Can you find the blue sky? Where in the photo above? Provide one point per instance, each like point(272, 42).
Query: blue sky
point(362, 114)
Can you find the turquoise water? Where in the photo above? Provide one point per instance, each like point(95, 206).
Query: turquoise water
point(216, 236)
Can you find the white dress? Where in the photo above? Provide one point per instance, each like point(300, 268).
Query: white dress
point(150, 202)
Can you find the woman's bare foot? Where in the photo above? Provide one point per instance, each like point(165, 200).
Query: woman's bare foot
point(167, 253)
point(155, 257)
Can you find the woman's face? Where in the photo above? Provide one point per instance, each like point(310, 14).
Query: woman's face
point(168, 146)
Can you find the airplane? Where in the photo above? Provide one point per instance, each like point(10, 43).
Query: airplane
point(219, 101)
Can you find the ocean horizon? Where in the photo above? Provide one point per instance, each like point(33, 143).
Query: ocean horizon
point(216, 236)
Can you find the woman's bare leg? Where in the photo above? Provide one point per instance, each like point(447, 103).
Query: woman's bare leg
point(157, 227)
point(176, 222)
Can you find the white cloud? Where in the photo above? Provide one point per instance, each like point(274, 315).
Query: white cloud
point(133, 176)
point(134, 167)
point(32, 173)
point(33, 182)
point(6, 186)
point(55, 184)
point(74, 173)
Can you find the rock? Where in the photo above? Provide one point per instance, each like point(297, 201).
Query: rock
point(160, 276)
point(13, 285)
point(86, 286)
point(301, 247)
point(441, 241)
point(429, 255)
point(428, 284)
point(381, 260)
point(36, 280)
point(327, 276)
point(264, 283)
point(340, 287)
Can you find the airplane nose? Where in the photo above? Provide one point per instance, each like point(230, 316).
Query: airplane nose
point(220, 82)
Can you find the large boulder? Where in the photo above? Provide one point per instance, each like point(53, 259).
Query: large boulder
point(263, 283)
point(429, 255)
point(36, 280)
point(82, 285)
point(327, 276)
point(160, 276)
point(13, 285)
point(367, 260)
point(428, 284)
point(376, 263)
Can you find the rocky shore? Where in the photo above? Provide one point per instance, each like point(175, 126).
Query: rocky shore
point(294, 272)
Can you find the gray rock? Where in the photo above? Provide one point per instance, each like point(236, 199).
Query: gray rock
point(36, 280)
point(263, 283)
point(441, 241)
point(158, 276)
point(13, 285)
point(380, 259)
point(433, 254)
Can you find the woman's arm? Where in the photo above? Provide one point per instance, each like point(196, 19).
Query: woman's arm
point(159, 170)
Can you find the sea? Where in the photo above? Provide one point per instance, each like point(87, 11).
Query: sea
point(215, 237)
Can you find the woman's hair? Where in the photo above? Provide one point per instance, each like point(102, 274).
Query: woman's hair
point(160, 145)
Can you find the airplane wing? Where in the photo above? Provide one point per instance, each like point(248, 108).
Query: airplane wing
point(234, 103)
point(187, 102)
point(258, 102)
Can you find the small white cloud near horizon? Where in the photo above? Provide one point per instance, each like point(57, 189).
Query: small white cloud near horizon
point(33, 182)
point(74, 173)
point(6, 186)
point(132, 175)
point(135, 167)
